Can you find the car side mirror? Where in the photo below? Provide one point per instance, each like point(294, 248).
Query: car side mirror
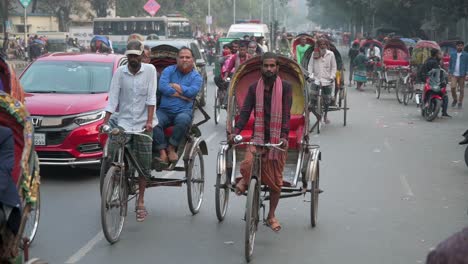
point(200, 63)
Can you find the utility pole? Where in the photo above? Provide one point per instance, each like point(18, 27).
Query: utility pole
point(209, 15)
point(261, 12)
point(234, 12)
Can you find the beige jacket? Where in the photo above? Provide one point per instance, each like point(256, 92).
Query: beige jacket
point(323, 70)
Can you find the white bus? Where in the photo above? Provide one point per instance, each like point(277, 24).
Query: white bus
point(119, 28)
point(179, 27)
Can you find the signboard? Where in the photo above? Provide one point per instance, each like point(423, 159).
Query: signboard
point(25, 3)
point(83, 34)
point(209, 20)
point(152, 7)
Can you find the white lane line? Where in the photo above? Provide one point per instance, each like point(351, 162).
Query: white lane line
point(406, 186)
point(99, 236)
point(85, 249)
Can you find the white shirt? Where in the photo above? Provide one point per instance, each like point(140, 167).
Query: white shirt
point(376, 52)
point(456, 72)
point(323, 70)
point(133, 94)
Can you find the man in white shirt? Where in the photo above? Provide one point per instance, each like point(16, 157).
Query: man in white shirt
point(133, 90)
point(373, 51)
point(458, 68)
point(322, 70)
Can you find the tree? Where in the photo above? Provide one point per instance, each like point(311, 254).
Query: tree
point(101, 7)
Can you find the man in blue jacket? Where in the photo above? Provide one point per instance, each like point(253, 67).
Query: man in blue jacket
point(458, 69)
point(179, 85)
point(10, 211)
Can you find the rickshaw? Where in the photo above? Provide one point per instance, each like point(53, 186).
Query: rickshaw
point(120, 183)
point(447, 47)
point(297, 40)
point(14, 248)
point(396, 71)
point(340, 93)
point(373, 66)
point(421, 52)
point(301, 172)
point(100, 44)
point(410, 44)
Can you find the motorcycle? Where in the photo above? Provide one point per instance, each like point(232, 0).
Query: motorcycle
point(431, 98)
point(465, 142)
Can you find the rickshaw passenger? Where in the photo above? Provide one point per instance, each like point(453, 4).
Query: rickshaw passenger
point(237, 59)
point(10, 211)
point(179, 85)
point(271, 99)
point(133, 90)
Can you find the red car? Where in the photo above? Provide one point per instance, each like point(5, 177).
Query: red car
point(66, 94)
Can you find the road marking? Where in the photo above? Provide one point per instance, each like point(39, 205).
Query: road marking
point(85, 249)
point(406, 186)
point(99, 236)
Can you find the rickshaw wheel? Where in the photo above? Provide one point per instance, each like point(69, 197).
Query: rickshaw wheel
point(314, 195)
point(217, 107)
point(222, 195)
point(378, 87)
point(399, 91)
point(466, 156)
point(113, 204)
point(195, 181)
point(251, 217)
point(345, 104)
point(32, 223)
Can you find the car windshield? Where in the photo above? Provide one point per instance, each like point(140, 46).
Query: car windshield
point(242, 34)
point(74, 77)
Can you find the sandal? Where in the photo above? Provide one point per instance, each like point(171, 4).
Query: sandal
point(240, 187)
point(141, 213)
point(273, 224)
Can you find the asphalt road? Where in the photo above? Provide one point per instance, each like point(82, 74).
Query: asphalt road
point(394, 186)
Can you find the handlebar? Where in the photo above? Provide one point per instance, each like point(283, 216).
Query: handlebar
point(238, 142)
point(117, 131)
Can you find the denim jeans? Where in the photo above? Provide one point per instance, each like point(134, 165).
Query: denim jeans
point(180, 121)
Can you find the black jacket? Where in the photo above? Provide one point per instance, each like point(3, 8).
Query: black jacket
point(431, 63)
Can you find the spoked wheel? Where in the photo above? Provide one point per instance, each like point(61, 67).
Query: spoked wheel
point(378, 87)
point(314, 197)
point(345, 105)
point(222, 194)
point(114, 200)
point(217, 107)
point(399, 91)
point(251, 217)
point(195, 175)
point(466, 156)
point(32, 223)
point(320, 113)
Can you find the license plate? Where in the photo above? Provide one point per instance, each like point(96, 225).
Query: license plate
point(39, 139)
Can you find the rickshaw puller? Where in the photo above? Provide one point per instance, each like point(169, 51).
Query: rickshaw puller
point(133, 90)
point(271, 100)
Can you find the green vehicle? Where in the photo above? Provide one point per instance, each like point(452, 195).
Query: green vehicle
point(219, 53)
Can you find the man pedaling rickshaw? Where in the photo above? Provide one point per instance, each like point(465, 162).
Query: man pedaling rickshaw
point(270, 98)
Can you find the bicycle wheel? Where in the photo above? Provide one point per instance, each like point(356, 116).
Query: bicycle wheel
point(399, 91)
point(378, 87)
point(314, 195)
point(320, 113)
point(345, 104)
point(195, 181)
point(222, 194)
point(217, 107)
point(251, 217)
point(114, 201)
point(32, 223)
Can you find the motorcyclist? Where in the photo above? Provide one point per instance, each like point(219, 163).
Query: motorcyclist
point(434, 62)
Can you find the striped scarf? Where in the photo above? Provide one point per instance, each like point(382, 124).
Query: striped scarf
point(275, 116)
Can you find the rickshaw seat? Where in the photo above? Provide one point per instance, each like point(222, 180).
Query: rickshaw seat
point(296, 129)
point(396, 63)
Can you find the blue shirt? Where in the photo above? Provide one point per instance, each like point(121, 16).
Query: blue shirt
point(190, 83)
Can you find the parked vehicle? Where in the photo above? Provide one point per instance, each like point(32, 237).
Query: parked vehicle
point(66, 94)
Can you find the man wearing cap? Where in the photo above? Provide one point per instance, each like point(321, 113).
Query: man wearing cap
point(458, 69)
point(179, 85)
point(133, 90)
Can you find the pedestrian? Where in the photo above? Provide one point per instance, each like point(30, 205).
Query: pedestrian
point(270, 98)
point(322, 70)
point(133, 90)
point(458, 68)
point(352, 54)
point(360, 69)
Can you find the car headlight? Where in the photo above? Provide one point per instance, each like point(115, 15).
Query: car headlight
point(89, 118)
